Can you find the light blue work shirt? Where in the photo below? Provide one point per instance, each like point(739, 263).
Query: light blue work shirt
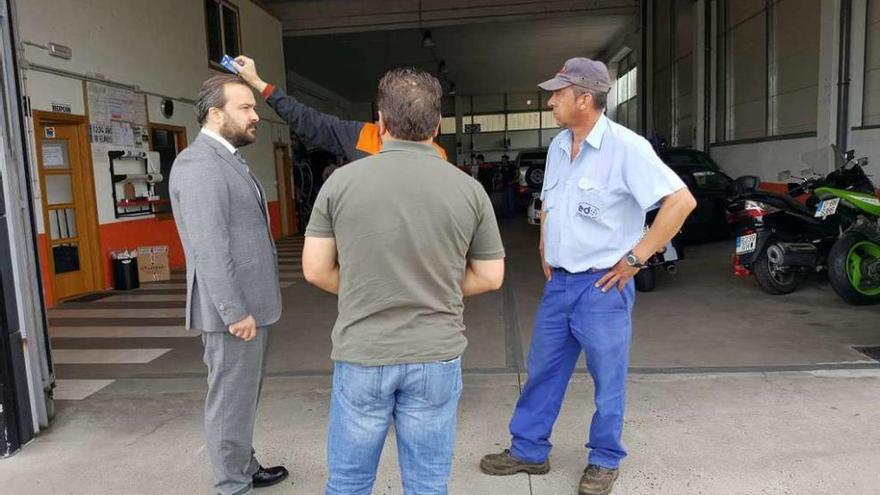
point(595, 205)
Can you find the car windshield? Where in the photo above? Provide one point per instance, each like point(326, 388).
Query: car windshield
point(710, 179)
point(691, 157)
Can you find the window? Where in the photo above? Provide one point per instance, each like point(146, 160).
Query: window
point(488, 123)
point(769, 68)
point(661, 106)
point(507, 121)
point(626, 89)
point(683, 99)
point(522, 121)
point(794, 66)
point(746, 70)
point(871, 105)
point(447, 125)
point(224, 33)
point(673, 103)
point(548, 121)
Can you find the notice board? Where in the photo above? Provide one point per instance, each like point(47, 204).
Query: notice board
point(117, 119)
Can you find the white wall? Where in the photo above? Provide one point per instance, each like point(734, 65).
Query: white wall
point(159, 46)
point(766, 159)
point(770, 157)
point(867, 143)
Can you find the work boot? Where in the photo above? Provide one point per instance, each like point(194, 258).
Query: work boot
point(597, 480)
point(505, 464)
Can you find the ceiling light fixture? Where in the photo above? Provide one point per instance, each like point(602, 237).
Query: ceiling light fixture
point(428, 41)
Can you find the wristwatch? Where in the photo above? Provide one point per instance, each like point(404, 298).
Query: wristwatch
point(633, 260)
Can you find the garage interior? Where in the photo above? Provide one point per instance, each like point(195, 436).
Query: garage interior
point(731, 390)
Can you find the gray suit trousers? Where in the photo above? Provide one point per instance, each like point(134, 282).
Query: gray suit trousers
point(235, 378)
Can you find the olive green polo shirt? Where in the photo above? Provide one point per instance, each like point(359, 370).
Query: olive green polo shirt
point(405, 223)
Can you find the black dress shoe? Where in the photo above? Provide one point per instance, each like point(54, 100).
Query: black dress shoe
point(269, 476)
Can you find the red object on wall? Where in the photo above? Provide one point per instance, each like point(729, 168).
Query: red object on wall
point(130, 235)
point(275, 218)
point(48, 293)
point(146, 232)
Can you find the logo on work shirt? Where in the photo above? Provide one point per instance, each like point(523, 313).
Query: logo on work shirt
point(588, 210)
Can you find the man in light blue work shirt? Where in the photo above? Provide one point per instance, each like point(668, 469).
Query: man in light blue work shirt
point(600, 180)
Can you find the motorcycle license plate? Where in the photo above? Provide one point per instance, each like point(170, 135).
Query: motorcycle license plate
point(746, 244)
point(827, 207)
point(670, 254)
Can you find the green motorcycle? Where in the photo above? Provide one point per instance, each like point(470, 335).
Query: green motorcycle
point(854, 259)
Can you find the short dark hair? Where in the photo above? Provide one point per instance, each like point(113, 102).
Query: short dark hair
point(212, 94)
point(409, 100)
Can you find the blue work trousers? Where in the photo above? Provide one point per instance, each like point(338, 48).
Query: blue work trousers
point(574, 316)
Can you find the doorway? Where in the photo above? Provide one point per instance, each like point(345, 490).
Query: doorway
point(284, 180)
point(68, 200)
point(168, 141)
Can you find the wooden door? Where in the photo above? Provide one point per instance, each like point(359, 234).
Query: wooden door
point(67, 192)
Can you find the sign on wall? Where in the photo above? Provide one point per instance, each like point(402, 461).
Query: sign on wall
point(472, 128)
point(118, 123)
point(61, 108)
point(117, 117)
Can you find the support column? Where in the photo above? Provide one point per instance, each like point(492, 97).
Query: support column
point(701, 93)
point(826, 118)
point(857, 63)
point(646, 69)
point(459, 130)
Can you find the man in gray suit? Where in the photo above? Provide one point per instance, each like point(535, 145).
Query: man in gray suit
point(233, 294)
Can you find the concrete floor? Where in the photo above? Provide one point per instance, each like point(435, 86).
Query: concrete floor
point(732, 391)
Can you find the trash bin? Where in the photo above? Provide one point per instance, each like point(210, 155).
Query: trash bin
point(125, 274)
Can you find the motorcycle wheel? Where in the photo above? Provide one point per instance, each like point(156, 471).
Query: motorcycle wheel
point(646, 279)
point(846, 267)
point(772, 281)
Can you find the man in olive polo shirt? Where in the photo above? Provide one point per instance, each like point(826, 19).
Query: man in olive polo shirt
point(402, 237)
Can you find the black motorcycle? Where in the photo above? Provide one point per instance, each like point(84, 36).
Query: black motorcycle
point(780, 239)
point(665, 259)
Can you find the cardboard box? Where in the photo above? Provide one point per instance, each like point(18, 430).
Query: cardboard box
point(153, 264)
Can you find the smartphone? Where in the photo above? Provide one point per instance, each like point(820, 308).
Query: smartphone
point(229, 64)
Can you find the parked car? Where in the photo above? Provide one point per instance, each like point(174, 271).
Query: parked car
point(688, 157)
point(699, 172)
point(530, 164)
point(667, 258)
point(710, 187)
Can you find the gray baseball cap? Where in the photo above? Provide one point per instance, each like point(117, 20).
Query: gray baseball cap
point(582, 72)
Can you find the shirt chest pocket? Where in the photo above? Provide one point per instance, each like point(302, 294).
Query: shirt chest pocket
point(591, 199)
point(551, 192)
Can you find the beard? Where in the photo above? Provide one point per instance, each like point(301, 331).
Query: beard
point(239, 136)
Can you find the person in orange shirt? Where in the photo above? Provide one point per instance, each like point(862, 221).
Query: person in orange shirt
point(350, 139)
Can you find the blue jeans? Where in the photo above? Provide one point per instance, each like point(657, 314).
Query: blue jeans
point(575, 316)
point(421, 399)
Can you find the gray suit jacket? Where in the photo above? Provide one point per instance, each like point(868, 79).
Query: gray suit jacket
point(231, 261)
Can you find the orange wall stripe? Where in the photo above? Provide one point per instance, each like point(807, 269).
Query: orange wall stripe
point(48, 292)
point(275, 218)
